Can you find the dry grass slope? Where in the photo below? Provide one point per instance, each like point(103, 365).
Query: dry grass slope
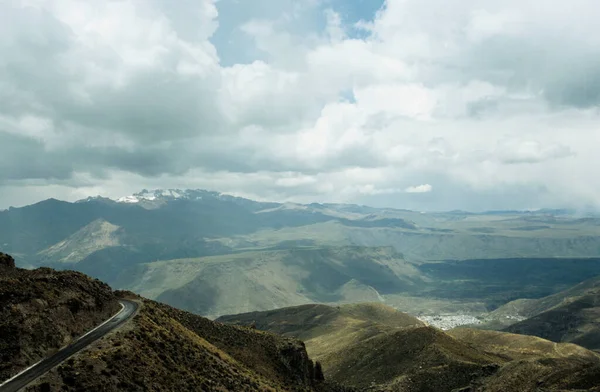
point(373, 347)
point(576, 321)
point(165, 349)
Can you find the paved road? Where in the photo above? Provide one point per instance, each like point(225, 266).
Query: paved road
point(22, 379)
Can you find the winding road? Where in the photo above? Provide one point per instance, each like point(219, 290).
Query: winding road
point(28, 375)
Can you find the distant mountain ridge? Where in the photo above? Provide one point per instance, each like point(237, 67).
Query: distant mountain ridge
point(141, 236)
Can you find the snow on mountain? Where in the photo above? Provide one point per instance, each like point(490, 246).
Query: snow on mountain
point(165, 194)
point(157, 197)
point(128, 199)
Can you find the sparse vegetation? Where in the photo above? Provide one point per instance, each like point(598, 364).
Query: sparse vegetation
point(42, 310)
point(162, 348)
point(370, 347)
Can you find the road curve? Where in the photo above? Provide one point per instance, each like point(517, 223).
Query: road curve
point(25, 377)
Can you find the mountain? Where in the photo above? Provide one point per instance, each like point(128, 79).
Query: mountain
point(575, 320)
point(93, 237)
point(262, 280)
point(526, 308)
point(177, 221)
point(242, 255)
point(571, 315)
point(327, 329)
point(376, 348)
point(161, 348)
point(370, 345)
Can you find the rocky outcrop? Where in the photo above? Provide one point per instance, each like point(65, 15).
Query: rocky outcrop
point(6, 261)
point(43, 310)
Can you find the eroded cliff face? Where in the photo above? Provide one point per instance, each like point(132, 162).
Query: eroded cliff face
point(43, 310)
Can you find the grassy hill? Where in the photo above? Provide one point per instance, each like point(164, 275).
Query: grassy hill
point(577, 321)
point(362, 347)
point(571, 315)
point(161, 349)
point(373, 347)
point(533, 364)
point(327, 329)
point(263, 280)
point(371, 344)
point(533, 307)
point(167, 349)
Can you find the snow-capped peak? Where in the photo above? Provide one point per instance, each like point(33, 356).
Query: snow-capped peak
point(128, 199)
point(165, 194)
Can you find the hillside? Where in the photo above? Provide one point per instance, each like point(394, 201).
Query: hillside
point(43, 310)
point(532, 307)
point(571, 315)
point(167, 349)
point(327, 329)
point(375, 347)
point(361, 346)
point(240, 255)
point(533, 364)
point(371, 344)
point(273, 278)
point(95, 236)
point(161, 348)
point(263, 280)
point(577, 320)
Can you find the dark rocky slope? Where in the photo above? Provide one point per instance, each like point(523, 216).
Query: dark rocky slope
point(43, 310)
point(165, 349)
point(160, 349)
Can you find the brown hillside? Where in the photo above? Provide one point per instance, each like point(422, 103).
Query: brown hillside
point(375, 345)
point(576, 321)
point(421, 359)
point(43, 310)
point(165, 349)
point(326, 329)
point(533, 307)
point(160, 349)
point(534, 364)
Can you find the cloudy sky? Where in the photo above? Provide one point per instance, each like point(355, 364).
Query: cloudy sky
point(421, 104)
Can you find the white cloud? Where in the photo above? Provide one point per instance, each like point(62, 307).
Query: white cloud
point(479, 98)
point(424, 188)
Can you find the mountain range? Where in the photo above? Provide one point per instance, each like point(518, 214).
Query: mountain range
point(241, 255)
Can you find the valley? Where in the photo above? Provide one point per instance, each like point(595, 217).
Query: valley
point(215, 254)
point(384, 300)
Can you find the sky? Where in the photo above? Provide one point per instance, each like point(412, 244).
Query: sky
point(418, 104)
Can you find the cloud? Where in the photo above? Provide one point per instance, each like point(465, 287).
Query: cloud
point(303, 100)
point(425, 188)
point(516, 152)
